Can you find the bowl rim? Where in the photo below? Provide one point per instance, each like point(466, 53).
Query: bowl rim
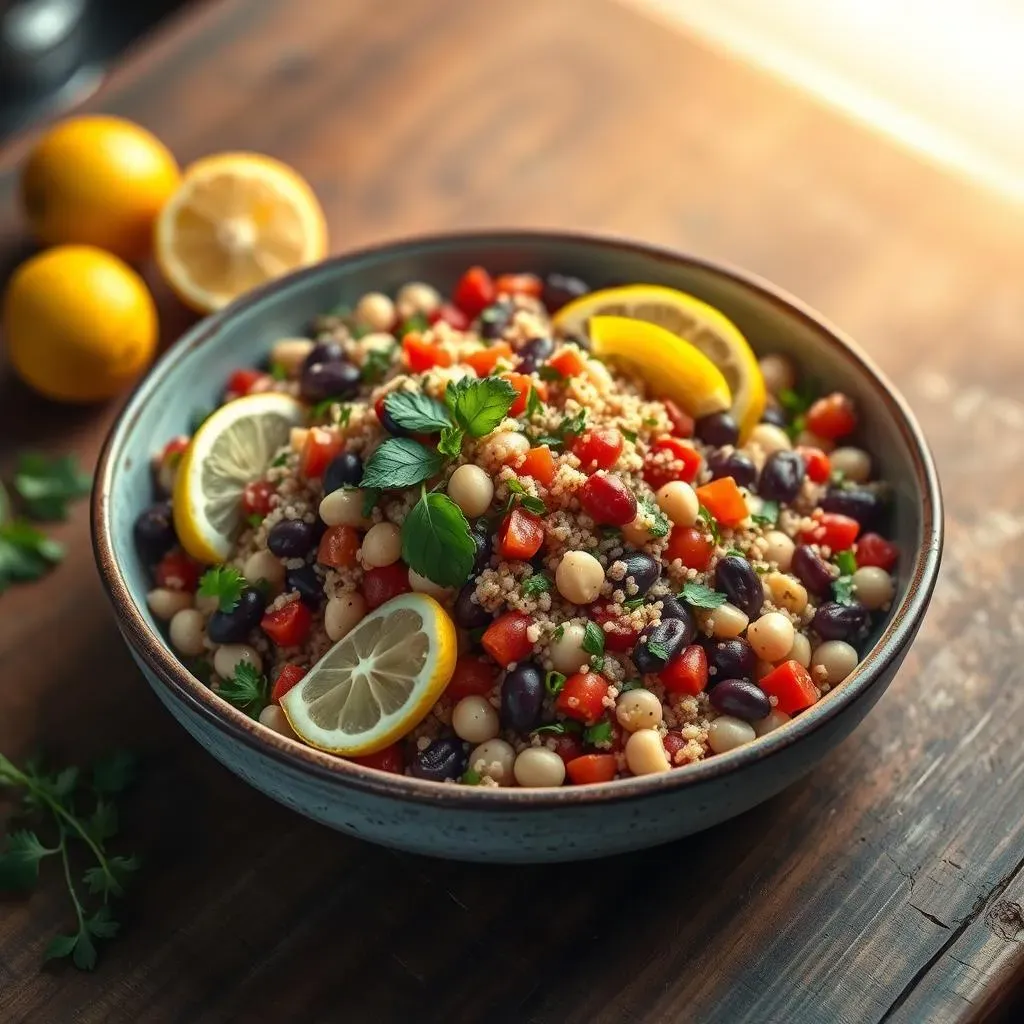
point(182, 687)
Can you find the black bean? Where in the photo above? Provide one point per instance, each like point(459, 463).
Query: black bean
point(740, 698)
point(667, 638)
point(467, 612)
point(731, 659)
point(482, 539)
point(673, 608)
point(812, 571)
point(324, 352)
point(561, 289)
point(494, 319)
point(718, 429)
point(307, 584)
point(235, 626)
point(533, 353)
point(443, 759)
point(736, 464)
point(388, 422)
point(329, 380)
point(775, 416)
point(522, 694)
point(735, 577)
point(834, 621)
point(154, 532)
point(644, 570)
point(860, 503)
point(291, 538)
point(344, 470)
point(782, 476)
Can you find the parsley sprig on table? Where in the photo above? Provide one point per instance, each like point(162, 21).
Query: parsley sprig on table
point(54, 800)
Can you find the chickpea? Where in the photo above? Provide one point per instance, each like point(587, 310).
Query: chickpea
point(786, 592)
point(471, 489)
point(538, 766)
point(808, 439)
point(780, 549)
point(800, 652)
point(475, 720)
point(645, 753)
point(377, 311)
point(637, 532)
point(165, 603)
point(579, 577)
point(262, 565)
point(417, 297)
point(207, 603)
point(769, 438)
point(638, 709)
point(274, 718)
point(378, 342)
point(772, 721)
point(422, 585)
point(290, 354)
point(228, 657)
point(778, 373)
point(504, 446)
point(344, 507)
point(678, 501)
point(566, 652)
point(726, 621)
point(343, 613)
point(853, 463)
point(771, 636)
point(186, 632)
point(495, 759)
point(873, 586)
point(382, 545)
point(727, 733)
point(837, 658)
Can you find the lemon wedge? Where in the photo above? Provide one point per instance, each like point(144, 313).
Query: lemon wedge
point(379, 681)
point(231, 449)
point(688, 318)
point(236, 221)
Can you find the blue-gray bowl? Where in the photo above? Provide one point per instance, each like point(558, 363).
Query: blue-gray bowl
point(509, 824)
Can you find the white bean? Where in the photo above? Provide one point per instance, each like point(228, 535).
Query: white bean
point(726, 621)
point(471, 489)
point(727, 733)
point(504, 446)
point(678, 501)
point(579, 577)
point(377, 311)
point(475, 720)
point(343, 613)
point(837, 658)
point(769, 438)
point(800, 652)
point(290, 354)
point(382, 545)
point(417, 297)
point(539, 766)
point(771, 636)
point(780, 549)
point(186, 632)
point(638, 709)
point(853, 463)
point(645, 753)
point(344, 507)
point(772, 721)
point(274, 718)
point(228, 657)
point(873, 587)
point(566, 652)
point(262, 565)
point(495, 759)
point(165, 603)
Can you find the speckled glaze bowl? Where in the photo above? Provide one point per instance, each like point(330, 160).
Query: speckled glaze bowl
point(509, 824)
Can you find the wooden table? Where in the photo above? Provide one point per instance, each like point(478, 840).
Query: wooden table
point(885, 887)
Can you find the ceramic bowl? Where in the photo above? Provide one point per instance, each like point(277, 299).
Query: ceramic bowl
point(516, 825)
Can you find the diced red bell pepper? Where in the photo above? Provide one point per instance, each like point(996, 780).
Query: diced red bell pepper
point(598, 449)
point(690, 546)
point(451, 315)
point(288, 626)
point(619, 635)
point(422, 355)
point(176, 571)
point(484, 361)
point(682, 423)
point(390, 759)
point(671, 459)
point(321, 446)
point(519, 284)
point(522, 383)
point(256, 497)
point(722, 498)
point(582, 696)
point(832, 417)
point(873, 549)
point(339, 547)
point(832, 530)
point(286, 679)
point(591, 768)
point(474, 292)
point(242, 382)
point(538, 463)
point(520, 535)
point(506, 640)
point(473, 676)
point(819, 466)
point(569, 363)
point(792, 685)
point(686, 673)
point(385, 582)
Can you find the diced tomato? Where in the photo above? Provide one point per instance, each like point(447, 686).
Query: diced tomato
point(451, 315)
point(538, 463)
point(722, 498)
point(686, 673)
point(385, 582)
point(607, 500)
point(582, 696)
point(176, 571)
point(519, 284)
point(792, 685)
point(256, 497)
point(422, 355)
point(673, 742)
point(520, 535)
point(568, 746)
point(339, 547)
point(288, 626)
point(590, 768)
point(819, 468)
point(173, 450)
point(318, 451)
point(484, 361)
point(286, 679)
point(619, 635)
point(832, 530)
point(873, 549)
point(242, 382)
point(691, 546)
point(474, 292)
point(390, 759)
point(569, 362)
point(671, 459)
point(473, 676)
point(522, 383)
point(598, 449)
point(505, 639)
point(682, 423)
point(832, 417)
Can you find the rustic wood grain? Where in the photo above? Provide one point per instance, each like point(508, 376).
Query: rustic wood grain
point(887, 887)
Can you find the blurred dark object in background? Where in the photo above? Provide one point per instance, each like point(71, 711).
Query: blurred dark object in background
point(54, 52)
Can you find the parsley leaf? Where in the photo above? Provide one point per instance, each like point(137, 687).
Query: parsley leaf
point(842, 589)
point(574, 424)
point(527, 500)
point(20, 859)
point(417, 412)
point(629, 435)
point(436, 541)
point(553, 682)
point(659, 524)
point(736, 553)
point(281, 460)
point(246, 689)
point(480, 405)
point(254, 519)
point(339, 418)
point(593, 639)
point(698, 596)
point(400, 462)
point(470, 778)
point(417, 322)
point(769, 514)
point(450, 443)
point(847, 562)
point(47, 485)
point(278, 372)
point(710, 522)
point(550, 374)
point(371, 495)
point(113, 773)
point(25, 553)
point(376, 364)
point(533, 403)
point(631, 684)
point(632, 603)
point(538, 583)
point(600, 732)
point(225, 583)
point(796, 401)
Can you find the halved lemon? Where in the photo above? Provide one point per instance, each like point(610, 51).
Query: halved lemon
point(231, 449)
point(686, 317)
point(377, 683)
point(236, 221)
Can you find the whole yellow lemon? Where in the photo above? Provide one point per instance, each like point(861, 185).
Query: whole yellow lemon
point(79, 324)
point(98, 180)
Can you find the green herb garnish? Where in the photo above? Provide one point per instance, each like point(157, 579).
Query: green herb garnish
point(533, 403)
point(550, 374)
point(629, 435)
point(470, 778)
point(246, 689)
point(631, 684)
point(698, 596)
point(436, 541)
point(478, 406)
point(527, 500)
point(659, 651)
point(769, 514)
point(26, 554)
point(847, 562)
point(574, 424)
point(46, 485)
point(632, 603)
point(735, 553)
point(842, 589)
point(400, 462)
point(417, 412)
point(538, 583)
point(600, 732)
point(254, 519)
point(710, 522)
point(417, 322)
point(659, 524)
point(281, 460)
point(558, 728)
point(278, 372)
point(450, 443)
point(225, 583)
point(553, 682)
point(321, 409)
point(593, 639)
point(376, 365)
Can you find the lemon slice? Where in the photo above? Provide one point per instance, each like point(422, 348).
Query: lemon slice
point(687, 317)
point(236, 221)
point(377, 683)
point(231, 449)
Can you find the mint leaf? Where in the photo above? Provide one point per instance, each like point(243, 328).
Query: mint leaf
point(371, 495)
point(417, 412)
point(47, 485)
point(593, 639)
point(400, 462)
point(600, 732)
point(698, 596)
point(659, 651)
point(480, 405)
point(450, 444)
point(526, 499)
point(769, 514)
point(436, 541)
point(225, 583)
point(631, 684)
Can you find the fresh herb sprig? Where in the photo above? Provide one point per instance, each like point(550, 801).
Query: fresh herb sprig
point(225, 583)
point(45, 485)
point(699, 596)
point(247, 689)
